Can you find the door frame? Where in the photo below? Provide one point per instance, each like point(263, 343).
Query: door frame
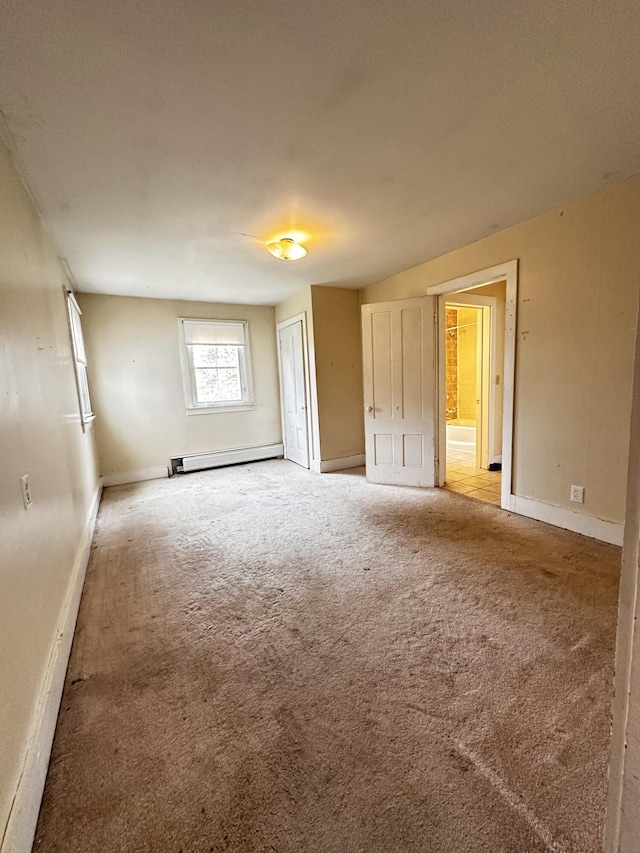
point(508, 272)
point(489, 393)
point(298, 318)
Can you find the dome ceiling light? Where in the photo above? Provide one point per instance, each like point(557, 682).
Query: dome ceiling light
point(286, 249)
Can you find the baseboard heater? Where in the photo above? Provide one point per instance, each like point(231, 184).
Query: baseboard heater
point(220, 458)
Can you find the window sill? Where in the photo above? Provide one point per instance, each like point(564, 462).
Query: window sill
point(214, 410)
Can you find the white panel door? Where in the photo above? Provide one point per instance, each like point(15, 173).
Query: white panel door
point(294, 398)
point(398, 355)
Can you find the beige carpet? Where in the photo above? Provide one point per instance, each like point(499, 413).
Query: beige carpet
point(272, 660)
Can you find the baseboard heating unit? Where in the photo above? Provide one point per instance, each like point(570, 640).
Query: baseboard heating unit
point(220, 458)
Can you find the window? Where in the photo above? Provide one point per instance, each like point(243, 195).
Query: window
point(216, 365)
point(80, 359)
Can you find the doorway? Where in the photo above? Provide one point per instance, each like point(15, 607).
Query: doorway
point(470, 289)
point(292, 362)
point(473, 371)
point(403, 344)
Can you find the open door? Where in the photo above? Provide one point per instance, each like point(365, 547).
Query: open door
point(400, 412)
point(294, 393)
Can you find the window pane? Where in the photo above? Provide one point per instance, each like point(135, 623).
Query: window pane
point(76, 333)
point(229, 384)
point(215, 356)
point(84, 389)
point(217, 385)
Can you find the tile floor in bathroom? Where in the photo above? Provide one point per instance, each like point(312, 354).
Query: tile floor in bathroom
point(464, 478)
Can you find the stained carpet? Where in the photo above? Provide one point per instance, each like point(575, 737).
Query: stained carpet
point(272, 660)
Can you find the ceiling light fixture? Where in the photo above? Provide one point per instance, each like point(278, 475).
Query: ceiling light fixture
point(286, 249)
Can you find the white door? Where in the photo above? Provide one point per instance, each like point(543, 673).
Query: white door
point(294, 398)
point(398, 360)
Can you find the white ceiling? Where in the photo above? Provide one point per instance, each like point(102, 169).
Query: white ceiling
point(155, 135)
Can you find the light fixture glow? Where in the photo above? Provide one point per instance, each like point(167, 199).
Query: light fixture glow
point(286, 249)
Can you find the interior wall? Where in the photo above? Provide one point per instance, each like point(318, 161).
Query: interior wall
point(40, 435)
point(467, 364)
point(499, 292)
point(579, 269)
point(136, 382)
point(338, 358)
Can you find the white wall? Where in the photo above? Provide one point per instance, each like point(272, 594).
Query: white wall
point(137, 391)
point(579, 270)
point(40, 434)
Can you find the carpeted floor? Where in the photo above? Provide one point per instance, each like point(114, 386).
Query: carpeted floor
point(272, 660)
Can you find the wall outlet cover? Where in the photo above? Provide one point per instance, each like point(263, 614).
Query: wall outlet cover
point(577, 494)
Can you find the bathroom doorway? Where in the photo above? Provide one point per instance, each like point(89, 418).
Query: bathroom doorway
point(474, 354)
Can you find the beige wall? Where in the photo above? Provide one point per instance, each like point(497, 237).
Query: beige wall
point(579, 270)
point(338, 357)
point(299, 303)
point(41, 435)
point(136, 382)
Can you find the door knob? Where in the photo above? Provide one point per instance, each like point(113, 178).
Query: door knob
point(369, 408)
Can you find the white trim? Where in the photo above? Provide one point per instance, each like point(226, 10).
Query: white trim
point(623, 819)
point(136, 476)
point(481, 278)
point(220, 458)
point(221, 408)
point(23, 818)
point(578, 522)
point(312, 407)
point(342, 463)
point(298, 318)
point(503, 272)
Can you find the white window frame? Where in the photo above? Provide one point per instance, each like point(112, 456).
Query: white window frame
point(79, 359)
point(188, 376)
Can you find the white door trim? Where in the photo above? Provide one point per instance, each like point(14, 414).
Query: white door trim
point(298, 318)
point(503, 272)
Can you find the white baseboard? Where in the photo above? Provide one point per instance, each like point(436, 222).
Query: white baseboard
point(23, 818)
point(343, 462)
point(496, 460)
point(136, 476)
point(578, 522)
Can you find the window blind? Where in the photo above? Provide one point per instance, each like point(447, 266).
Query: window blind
point(213, 333)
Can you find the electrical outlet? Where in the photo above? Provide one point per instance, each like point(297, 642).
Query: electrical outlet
point(577, 494)
point(26, 491)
